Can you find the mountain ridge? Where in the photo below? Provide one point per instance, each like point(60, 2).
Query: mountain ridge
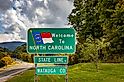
point(11, 45)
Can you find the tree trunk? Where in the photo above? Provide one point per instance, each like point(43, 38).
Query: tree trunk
point(96, 55)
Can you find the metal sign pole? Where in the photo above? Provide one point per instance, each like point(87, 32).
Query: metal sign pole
point(66, 77)
point(35, 75)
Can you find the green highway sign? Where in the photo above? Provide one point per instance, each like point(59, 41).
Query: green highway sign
point(51, 59)
point(51, 40)
point(51, 70)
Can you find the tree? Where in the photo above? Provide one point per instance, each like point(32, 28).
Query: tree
point(91, 49)
point(112, 16)
point(101, 21)
point(84, 19)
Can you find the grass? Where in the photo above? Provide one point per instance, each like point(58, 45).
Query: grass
point(79, 73)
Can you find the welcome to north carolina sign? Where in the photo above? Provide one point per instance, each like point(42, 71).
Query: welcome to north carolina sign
point(51, 40)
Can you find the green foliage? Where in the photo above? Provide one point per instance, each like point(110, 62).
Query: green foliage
point(4, 49)
point(90, 49)
point(115, 58)
point(73, 59)
point(2, 64)
point(7, 60)
point(21, 53)
point(26, 57)
point(84, 19)
point(4, 52)
point(101, 20)
point(112, 17)
point(20, 49)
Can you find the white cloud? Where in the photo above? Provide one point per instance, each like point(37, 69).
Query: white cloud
point(10, 37)
point(4, 4)
point(23, 14)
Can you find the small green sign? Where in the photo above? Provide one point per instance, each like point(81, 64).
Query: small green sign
point(51, 59)
point(51, 40)
point(51, 70)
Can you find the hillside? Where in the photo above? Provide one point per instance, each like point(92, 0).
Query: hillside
point(11, 45)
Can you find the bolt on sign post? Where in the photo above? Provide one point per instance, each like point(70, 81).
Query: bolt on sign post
point(51, 41)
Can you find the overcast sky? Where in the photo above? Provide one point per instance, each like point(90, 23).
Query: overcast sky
point(16, 16)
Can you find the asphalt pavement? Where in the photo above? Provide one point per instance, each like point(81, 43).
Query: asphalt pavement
point(11, 71)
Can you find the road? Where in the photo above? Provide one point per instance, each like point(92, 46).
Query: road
point(9, 72)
